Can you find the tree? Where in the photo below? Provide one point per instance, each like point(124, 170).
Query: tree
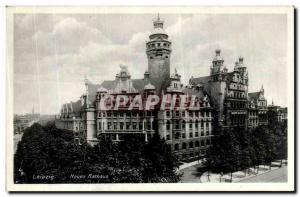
point(224, 152)
point(160, 163)
point(51, 151)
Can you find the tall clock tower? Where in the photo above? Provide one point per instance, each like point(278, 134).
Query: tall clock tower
point(158, 50)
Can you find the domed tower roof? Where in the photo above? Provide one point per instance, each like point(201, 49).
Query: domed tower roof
point(102, 89)
point(218, 56)
point(149, 86)
point(158, 25)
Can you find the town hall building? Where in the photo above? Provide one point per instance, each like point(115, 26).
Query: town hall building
point(222, 97)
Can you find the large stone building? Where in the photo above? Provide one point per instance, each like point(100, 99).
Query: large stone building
point(222, 100)
point(187, 130)
point(228, 91)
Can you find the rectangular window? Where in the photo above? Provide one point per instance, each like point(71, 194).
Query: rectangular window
point(115, 126)
point(191, 134)
point(168, 137)
point(191, 126)
point(183, 135)
point(134, 126)
point(167, 113)
point(176, 125)
point(127, 125)
point(109, 125)
point(99, 125)
point(196, 134)
point(141, 125)
point(121, 125)
point(168, 126)
point(148, 125)
point(183, 114)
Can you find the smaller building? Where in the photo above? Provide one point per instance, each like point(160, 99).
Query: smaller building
point(257, 113)
point(21, 122)
point(280, 112)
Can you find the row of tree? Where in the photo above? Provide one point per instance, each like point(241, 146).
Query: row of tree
point(49, 155)
point(235, 149)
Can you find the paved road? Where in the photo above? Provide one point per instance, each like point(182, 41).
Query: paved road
point(190, 174)
point(278, 175)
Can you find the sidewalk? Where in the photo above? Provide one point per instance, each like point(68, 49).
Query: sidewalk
point(237, 176)
point(186, 165)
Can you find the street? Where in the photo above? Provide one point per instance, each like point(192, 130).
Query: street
point(191, 175)
point(278, 175)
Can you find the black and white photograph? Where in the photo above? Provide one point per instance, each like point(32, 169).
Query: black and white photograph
point(150, 98)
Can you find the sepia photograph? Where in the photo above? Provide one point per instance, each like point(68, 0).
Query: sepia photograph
point(150, 98)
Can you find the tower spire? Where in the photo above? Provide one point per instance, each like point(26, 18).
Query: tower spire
point(158, 22)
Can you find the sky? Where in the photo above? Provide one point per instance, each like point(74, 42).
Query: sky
point(54, 52)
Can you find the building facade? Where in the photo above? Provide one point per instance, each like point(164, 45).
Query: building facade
point(222, 100)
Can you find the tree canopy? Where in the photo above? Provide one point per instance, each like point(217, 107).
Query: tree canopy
point(49, 155)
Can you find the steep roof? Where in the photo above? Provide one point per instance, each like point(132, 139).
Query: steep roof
point(253, 95)
point(138, 84)
point(198, 80)
point(76, 106)
point(192, 91)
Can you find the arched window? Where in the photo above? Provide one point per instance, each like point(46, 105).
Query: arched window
point(183, 145)
point(197, 143)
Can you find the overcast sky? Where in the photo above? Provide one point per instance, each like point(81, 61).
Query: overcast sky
point(52, 53)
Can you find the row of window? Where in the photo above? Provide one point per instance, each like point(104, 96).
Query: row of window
point(182, 125)
point(236, 95)
point(252, 113)
point(125, 125)
point(182, 135)
point(253, 122)
point(116, 114)
point(237, 105)
point(192, 144)
point(158, 44)
point(190, 114)
point(238, 121)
